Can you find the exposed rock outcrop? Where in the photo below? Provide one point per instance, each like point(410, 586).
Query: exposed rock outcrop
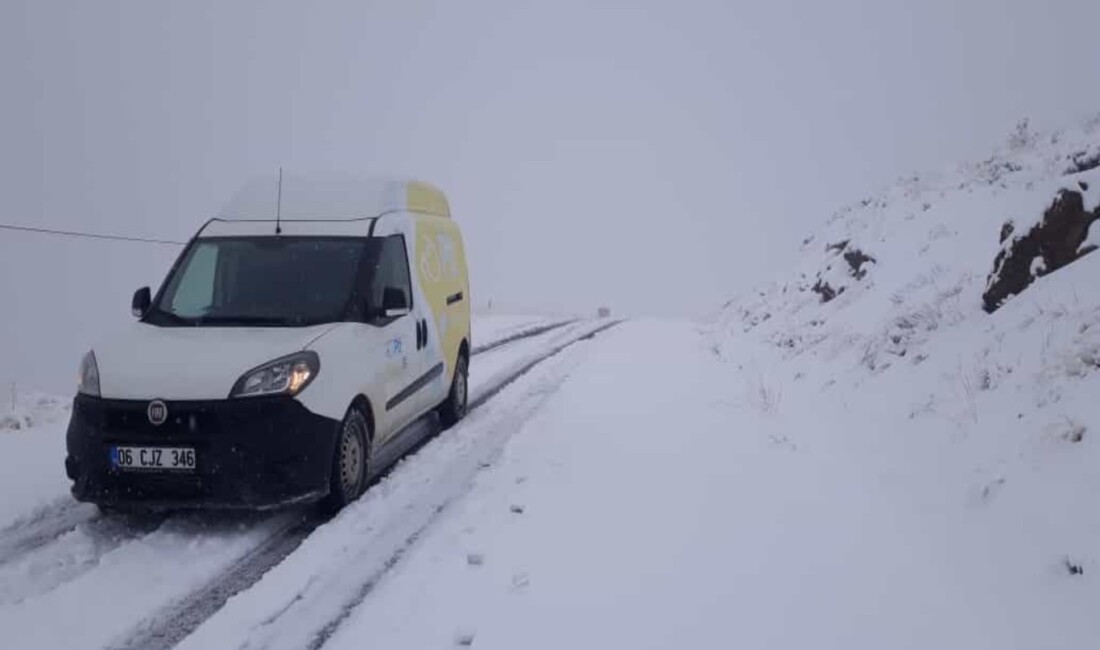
point(1051, 244)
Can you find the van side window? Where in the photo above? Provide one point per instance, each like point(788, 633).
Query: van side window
point(193, 292)
point(391, 272)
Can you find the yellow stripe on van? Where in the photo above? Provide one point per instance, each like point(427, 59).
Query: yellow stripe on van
point(426, 199)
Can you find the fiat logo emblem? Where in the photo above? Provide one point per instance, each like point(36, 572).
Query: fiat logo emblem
point(157, 412)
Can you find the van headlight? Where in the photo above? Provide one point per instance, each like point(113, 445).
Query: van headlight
point(87, 382)
point(287, 375)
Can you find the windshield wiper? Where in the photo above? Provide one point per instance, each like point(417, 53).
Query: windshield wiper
point(242, 320)
point(156, 314)
point(165, 317)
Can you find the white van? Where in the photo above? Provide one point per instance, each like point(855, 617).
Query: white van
point(284, 357)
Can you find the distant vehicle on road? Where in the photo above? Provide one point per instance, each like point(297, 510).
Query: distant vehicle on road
point(284, 356)
point(604, 312)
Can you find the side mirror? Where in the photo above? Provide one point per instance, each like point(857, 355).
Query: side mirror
point(141, 302)
point(394, 302)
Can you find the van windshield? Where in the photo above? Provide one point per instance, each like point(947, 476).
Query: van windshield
point(261, 281)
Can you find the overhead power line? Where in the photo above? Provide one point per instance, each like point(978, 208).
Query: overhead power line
point(90, 235)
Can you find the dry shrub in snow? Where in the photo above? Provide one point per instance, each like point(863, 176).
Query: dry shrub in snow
point(13, 422)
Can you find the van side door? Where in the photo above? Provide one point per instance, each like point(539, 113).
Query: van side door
point(390, 299)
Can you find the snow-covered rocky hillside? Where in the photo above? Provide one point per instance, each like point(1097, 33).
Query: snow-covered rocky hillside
point(896, 266)
point(979, 431)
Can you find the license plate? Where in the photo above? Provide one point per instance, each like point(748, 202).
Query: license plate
point(168, 459)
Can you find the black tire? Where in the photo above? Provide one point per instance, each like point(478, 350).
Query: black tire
point(454, 407)
point(113, 511)
point(350, 462)
point(109, 511)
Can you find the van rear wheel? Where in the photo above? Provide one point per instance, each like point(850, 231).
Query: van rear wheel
point(350, 461)
point(454, 407)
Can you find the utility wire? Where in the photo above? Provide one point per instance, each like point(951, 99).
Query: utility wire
point(89, 235)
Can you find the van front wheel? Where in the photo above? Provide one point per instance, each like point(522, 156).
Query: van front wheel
point(454, 407)
point(349, 462)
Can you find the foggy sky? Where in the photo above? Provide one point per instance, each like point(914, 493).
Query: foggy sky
point(657, 157)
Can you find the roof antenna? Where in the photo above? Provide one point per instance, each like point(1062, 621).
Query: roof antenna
point(279, 204)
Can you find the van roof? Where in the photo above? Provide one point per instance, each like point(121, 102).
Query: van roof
point(338, 205)
point(332, 197)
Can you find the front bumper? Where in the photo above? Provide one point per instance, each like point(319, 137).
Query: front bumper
point(253, 453)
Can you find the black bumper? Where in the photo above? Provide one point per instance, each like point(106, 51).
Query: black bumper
point(252, 453)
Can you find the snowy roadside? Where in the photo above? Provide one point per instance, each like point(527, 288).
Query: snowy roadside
point(978, 448)
point(888, 356)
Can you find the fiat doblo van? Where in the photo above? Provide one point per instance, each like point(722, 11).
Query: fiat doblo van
point(282, 360)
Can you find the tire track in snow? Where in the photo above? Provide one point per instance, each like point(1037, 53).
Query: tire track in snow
point(523, 334)
point(174, 623)
point(524, 369)
point(43, 526)
point(133, 582)
point(41, 568)
point(178, 620)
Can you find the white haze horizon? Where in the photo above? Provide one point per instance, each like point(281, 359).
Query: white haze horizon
point(653, 158)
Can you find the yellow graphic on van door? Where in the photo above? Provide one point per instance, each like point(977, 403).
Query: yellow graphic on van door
point(441, 265)
point(430, 266)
